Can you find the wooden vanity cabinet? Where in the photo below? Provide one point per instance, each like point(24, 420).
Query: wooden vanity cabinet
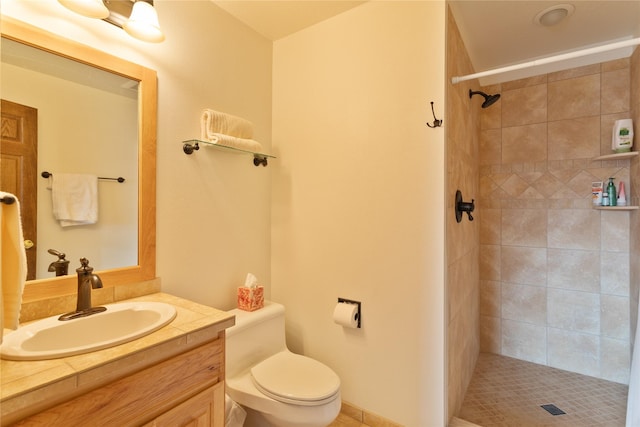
point(202, 410)
point(185, 390)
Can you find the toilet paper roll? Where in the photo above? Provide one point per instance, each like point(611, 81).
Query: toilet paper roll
point(346, 315)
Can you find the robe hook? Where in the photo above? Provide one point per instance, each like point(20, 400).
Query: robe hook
point(436, 123)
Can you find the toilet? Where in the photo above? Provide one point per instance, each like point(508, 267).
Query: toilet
point(275, 386)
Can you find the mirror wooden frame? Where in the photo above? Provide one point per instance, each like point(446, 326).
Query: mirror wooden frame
point(147, 115)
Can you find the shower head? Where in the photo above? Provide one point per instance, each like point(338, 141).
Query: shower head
point(489, 100)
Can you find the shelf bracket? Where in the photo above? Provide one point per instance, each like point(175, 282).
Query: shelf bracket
point(189, 148)
point(259, 160)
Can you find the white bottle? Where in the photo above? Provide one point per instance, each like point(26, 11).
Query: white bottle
point(622, 138)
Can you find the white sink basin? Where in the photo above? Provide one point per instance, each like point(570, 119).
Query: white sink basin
point(51, 338)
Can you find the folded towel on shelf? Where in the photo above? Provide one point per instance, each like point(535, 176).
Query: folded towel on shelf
point(239, 143)
point(215, 122)
point(13, 264)
point(75, 198)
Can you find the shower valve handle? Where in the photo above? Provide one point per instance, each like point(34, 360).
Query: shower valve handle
point(461, 206)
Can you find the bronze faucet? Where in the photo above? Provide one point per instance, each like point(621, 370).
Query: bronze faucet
point(61, 266)
point(86, 281)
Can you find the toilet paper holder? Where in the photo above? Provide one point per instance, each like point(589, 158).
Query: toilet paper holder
point(349, 301)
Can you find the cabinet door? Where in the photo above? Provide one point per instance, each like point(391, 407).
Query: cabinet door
point(205, 409)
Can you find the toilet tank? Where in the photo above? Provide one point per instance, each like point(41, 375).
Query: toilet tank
point(255, 336)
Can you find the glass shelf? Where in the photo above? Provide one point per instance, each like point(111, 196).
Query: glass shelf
point(617, 156)
point(191, 145)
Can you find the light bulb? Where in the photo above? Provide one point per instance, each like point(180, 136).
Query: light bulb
point(143, 23)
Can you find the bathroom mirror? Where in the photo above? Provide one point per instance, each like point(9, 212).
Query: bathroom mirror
point(74, 118)
point(138, 268)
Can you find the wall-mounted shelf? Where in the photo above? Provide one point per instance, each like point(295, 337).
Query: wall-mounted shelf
point(617, 156)
point(616, 208)
point(191, 145)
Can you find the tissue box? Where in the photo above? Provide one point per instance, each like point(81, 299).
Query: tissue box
point(250, 299)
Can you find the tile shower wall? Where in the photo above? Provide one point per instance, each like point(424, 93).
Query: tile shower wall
point(462, 289)
point(555, 273)
point(634, 244)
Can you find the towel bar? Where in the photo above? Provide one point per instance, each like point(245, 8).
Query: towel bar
point(46, 174)
point(7, 200)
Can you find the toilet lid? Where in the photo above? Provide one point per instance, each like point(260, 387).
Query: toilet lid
point(293, 378)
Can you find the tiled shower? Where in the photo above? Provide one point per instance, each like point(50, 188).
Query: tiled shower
point(557, 281)
point(554, 273)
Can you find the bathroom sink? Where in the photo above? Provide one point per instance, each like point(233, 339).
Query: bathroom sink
point(51, 338)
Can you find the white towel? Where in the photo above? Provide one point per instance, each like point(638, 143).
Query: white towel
point(75, 198)
point(239, 143)
point(13, 264)
point(215, 122)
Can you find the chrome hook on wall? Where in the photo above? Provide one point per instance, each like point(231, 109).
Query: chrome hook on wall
point(461, 206)
point(436, 123)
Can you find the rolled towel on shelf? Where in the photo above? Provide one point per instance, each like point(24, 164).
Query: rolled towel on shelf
point(239, 143)
point(214, 122)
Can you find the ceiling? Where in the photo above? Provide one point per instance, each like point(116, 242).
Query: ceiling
point(503, 33)
point(276, 19)
point(496, 33)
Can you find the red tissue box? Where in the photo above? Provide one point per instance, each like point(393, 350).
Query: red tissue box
point(250, 299)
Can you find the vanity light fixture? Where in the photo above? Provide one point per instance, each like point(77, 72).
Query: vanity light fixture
point(554, 15)
point(89, 8)
point(137, 17)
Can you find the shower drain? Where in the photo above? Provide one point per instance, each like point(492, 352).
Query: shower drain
point(553, 409)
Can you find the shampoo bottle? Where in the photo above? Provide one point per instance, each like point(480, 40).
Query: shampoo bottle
point(622, 138)
point(622, 197)
point(611, 192)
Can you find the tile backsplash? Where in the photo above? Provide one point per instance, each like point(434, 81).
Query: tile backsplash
point(555, 273)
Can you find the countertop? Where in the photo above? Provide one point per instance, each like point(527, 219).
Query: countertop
point(27, 387)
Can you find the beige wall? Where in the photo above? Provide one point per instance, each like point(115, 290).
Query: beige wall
point(212, 207)
point(462, 291)
point(358, 183)
point(555, 277)
point(358, 202)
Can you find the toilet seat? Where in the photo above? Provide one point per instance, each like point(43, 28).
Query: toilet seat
point(292, 378)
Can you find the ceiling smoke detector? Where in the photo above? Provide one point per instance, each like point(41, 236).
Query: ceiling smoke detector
point(553, 15)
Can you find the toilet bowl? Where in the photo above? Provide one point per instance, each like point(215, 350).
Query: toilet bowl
point(275, 386)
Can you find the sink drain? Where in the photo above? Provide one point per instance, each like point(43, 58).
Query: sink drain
point(552, 409)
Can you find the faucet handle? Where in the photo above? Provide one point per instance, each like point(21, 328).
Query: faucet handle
point(59, 254)
point(84, 266)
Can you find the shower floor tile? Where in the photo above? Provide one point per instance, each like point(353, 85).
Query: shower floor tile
point(507, 392)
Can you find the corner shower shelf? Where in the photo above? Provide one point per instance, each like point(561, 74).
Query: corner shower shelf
point(190, 145)
point(616, 208)
point(617, 156)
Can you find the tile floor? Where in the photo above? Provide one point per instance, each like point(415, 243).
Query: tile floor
point(506, 392)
